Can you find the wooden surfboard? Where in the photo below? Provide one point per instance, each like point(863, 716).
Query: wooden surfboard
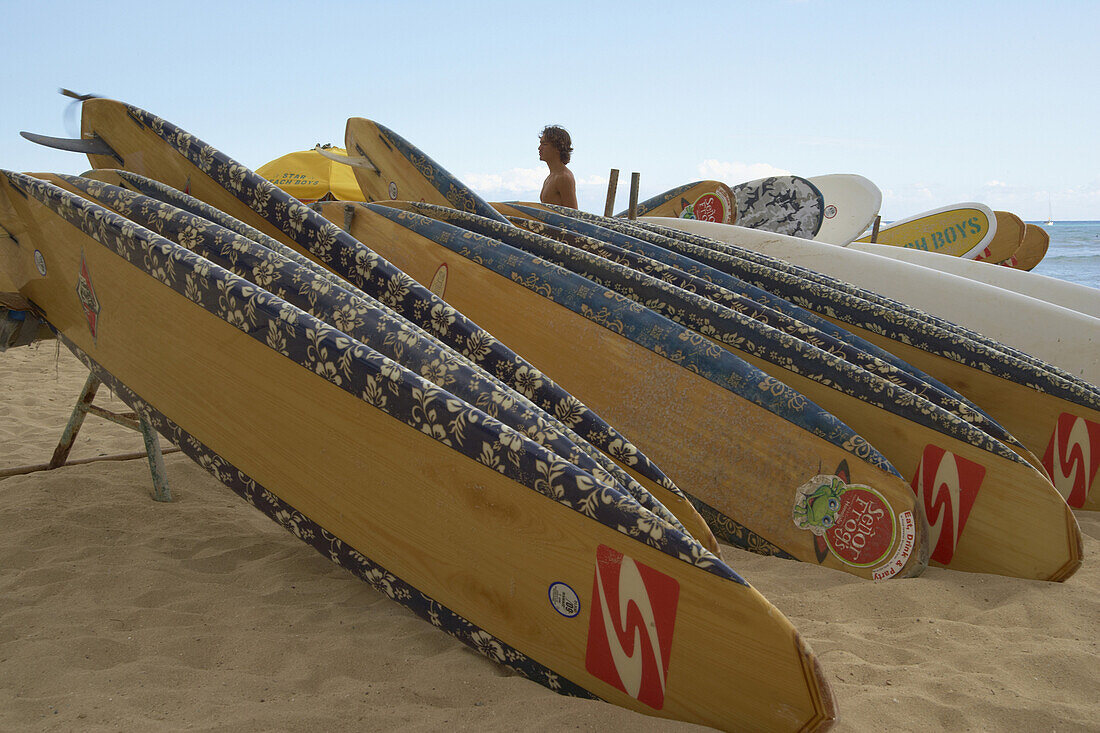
point(960, 230)
point(321, 294)
point(734, 532)
point(1080, 298)
point(479, 554)
point(851, 204)
point(398, 170)
point(346, 255)
point(1027, 399)
point(1060, 337)
point(785, 204)
point(703, 200)
point(691, 395)
point(1011, 488)
point(728, 292)
point(151, 146)
point(1032, 249)
point(1006, 242)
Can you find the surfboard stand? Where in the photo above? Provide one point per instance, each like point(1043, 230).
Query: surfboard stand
point(130, 420)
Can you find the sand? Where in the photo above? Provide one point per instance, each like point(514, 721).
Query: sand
point(121, 613)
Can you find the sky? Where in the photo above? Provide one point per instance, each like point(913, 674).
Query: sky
point(935, 102)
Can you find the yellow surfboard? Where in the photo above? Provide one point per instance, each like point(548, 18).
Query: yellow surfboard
point(525, 564)
point(703, 200)
point(962, 230)
point(1032, 250)
point(1006, 242)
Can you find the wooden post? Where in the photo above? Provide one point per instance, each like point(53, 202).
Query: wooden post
point(612, 187)
point(635, 179)
point(874, 232)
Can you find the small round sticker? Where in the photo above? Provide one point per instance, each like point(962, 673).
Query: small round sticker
point(40, 263)
point(830, 211)
point(393, 190)
point(564, 600)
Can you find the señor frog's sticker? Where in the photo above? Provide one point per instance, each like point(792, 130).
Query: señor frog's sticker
point(855, 521)
point(708, 207)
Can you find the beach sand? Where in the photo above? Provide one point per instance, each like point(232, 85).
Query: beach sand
point(121, 613)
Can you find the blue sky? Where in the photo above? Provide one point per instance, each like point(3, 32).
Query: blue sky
point(935, 102)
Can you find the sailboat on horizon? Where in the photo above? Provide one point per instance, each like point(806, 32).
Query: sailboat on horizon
point(1050, 216)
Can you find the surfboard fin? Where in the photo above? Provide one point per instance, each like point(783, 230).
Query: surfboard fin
point(355, 161)
point(88, 146)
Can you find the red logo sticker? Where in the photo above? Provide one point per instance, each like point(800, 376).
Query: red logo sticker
point(947, 486)
point(88, 299)
point(854, 521)
point(633, 615)
point(864, 527)
point(708, 207)
point(1072, 457)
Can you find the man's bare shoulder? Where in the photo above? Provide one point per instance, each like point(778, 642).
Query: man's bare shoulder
point(560, 187)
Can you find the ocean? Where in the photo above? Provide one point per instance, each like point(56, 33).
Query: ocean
point(1074, 253)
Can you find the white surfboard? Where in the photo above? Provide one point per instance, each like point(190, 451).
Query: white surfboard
point(1060, 336)
point(851, 204)
point(1059, 292)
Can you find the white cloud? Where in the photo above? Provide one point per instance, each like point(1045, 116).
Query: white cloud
point(735, 172)
point(515, 180)
point(996, 184)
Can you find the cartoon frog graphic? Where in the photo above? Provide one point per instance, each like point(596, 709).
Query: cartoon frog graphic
point(816, 504)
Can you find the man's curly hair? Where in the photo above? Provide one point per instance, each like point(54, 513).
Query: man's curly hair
point(559, 138)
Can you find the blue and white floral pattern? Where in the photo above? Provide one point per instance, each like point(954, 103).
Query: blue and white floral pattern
point(837, 299)
point(363, 374)
point(793, 348)
point(284, 273)
point(332, 547)
point(459, 196)
point(355, 262)
point(779, 313)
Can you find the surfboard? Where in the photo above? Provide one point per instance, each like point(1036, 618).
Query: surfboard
point(1069, 295)
point(1006, 241)
point(785, 204)
point(1011, 487)
point(476, 551)
point(1033, 402)
point(684, 397)
point(350, 258)
point(1032, 249)
point(703, 200)
point(960, 230)
point(152, 146)
point(397, 169)
point(1057, 335)
point(321, 294)
point(741, 535)
point(851, 204)
point(1020, 491)
point(731, 292)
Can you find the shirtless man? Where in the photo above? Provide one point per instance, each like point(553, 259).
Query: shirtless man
point(555, 149)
